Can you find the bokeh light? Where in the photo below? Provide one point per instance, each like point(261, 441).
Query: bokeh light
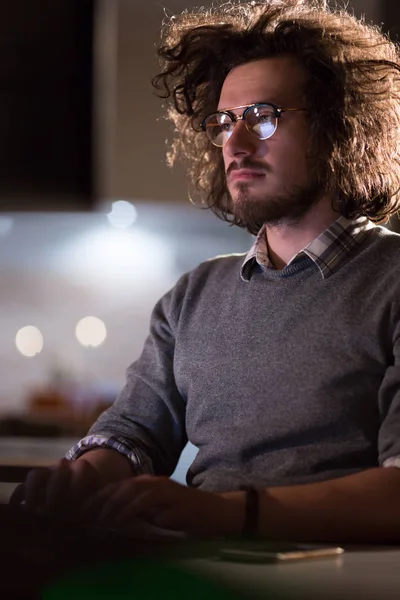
point(29, 341)
point(123, 214)
point(91, 331)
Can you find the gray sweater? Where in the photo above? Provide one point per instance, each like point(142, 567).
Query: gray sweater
point(285, 379)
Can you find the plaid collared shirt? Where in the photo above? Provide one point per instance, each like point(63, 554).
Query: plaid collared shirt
point(328, 250)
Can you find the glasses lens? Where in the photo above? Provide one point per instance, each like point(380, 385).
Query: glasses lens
point(219, 128)
point(261, 121)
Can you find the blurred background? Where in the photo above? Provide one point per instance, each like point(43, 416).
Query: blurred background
point(94, 227)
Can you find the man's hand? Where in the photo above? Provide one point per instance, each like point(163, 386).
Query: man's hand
point(167, 504)
point(60, 490)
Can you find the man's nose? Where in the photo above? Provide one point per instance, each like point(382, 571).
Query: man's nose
point(241, 141)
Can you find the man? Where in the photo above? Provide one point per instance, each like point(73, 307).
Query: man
point(282, 366)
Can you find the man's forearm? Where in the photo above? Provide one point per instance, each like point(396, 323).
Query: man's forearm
point(363, 507)
point(110, 464)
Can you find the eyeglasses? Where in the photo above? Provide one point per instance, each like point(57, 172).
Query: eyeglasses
point(261, 121)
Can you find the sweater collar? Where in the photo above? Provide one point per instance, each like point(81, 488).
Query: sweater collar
point(328, 251)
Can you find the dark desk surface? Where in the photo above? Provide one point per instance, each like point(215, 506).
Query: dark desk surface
point(368, 573)
point(44, 552)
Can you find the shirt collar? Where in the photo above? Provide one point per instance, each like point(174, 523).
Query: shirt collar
point(328, 250)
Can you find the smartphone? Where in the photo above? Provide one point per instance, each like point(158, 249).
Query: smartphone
point(282, 553)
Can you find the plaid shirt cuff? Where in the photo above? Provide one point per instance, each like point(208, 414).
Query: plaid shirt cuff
point(140, 462)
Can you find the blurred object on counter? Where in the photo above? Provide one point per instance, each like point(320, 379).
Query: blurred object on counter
point(49, 401)
point(60, 407)
point(54, 398)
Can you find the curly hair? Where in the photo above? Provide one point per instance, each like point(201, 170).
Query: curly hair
point(352, 93)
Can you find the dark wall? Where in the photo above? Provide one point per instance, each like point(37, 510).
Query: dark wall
point(391, 17)
point(46, 104)
point(391, 24)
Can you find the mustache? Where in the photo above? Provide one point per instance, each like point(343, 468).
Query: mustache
point(247, 163)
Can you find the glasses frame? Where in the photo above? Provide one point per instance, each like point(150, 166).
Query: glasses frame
point(278, 111)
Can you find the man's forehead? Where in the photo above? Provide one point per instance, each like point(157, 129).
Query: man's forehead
point(278, 80)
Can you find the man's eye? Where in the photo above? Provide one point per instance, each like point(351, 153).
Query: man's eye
point(227, 126)
point(264, 119)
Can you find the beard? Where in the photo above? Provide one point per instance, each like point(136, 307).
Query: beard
point(287, 209)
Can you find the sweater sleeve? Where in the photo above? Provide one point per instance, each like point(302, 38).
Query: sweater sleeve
point(389, 405)
point(146, 423)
